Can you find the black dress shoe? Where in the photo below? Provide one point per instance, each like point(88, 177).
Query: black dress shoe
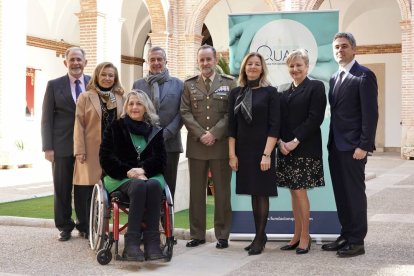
point(256, 249)
point(304, 250)
point(221, 244)
point(351, 250)
point(64, 236)
point(247, 248)
point(290, 246)
point(336, 245)
point(195, 242)
point(83, 235)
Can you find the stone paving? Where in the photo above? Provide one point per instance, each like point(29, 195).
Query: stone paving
point(29, 246)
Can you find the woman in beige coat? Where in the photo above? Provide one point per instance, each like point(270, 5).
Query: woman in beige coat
point(95, 110)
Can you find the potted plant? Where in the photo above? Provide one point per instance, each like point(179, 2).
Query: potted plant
point(22, 158)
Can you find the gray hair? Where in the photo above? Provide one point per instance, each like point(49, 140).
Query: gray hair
point(206, 46)
point(347, 36)
point(68, 50)
point(299, 53)
point(154, 49)
point(150, 116)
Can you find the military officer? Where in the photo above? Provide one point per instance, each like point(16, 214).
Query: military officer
point(204, 113)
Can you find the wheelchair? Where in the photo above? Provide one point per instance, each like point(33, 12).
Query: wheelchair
point(102, 235)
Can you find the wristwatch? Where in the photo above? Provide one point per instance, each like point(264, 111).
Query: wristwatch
point(295, 140)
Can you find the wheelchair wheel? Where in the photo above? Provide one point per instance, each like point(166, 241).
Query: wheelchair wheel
point(167, 225)
point(98, 222)
point(104, 256)
point(168, 249)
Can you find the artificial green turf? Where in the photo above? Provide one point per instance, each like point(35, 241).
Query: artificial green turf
point(42, 207)
point(181, 218)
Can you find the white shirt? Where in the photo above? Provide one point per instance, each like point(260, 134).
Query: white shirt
point(73, 85)
point(346, 68)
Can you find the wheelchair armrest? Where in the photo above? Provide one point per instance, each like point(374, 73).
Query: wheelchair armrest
point(120, 197)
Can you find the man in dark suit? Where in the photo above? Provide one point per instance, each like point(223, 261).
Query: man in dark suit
point(354, 114)
point(204, 108)
point(165, 92)
point(58, 118)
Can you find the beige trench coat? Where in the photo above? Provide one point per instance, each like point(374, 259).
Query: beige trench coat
point(87, 136)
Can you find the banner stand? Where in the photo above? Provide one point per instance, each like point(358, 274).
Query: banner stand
point(275, 35)
point(284, 237)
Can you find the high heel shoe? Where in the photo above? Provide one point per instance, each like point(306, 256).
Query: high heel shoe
point(256, 249)
point(290, 246)
point(247, 248)
point(306, 250)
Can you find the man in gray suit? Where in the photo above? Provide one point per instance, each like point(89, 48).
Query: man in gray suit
point(204, 108)
point(58, 118)
point(165, 92)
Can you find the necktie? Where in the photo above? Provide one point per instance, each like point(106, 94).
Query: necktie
point(207, 82)
point(338, 83)
point(78, 88)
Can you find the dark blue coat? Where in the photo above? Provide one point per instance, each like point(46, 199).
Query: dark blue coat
point(354, 110)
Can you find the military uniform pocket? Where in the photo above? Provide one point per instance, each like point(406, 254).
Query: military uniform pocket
point(221, 101)
point(196, 102)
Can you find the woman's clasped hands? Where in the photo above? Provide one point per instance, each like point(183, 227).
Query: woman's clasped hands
point(137, 173)
point(286, 147)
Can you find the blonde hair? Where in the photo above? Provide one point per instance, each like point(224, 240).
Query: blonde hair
point(93, 83)
point(263, 76)
point(299, 53)
point(150, 115)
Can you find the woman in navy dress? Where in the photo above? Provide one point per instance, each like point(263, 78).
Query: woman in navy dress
point(254, 122)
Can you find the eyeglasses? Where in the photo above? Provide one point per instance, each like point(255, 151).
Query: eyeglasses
point(103, 75)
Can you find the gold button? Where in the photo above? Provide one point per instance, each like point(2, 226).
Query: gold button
point(208, 117)
point(207, 128)
point(208, 97)
point(208, 107)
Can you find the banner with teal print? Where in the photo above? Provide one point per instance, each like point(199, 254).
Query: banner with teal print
point(275, 35)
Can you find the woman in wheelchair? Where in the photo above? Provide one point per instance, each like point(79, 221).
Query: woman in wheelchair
point(133, 157)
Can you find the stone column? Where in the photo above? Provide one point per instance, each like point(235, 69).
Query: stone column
point(100, 32)
point(407, 90)
point(192, 43)
point(13, 123)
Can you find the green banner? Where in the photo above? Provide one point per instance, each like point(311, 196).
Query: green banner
point(275, 35)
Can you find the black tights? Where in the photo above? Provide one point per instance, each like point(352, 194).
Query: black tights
point(260, 205)
point(144, 195)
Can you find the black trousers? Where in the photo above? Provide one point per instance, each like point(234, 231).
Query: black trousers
point(62, 170)
point(348, 181)
point(170, 173)
point(144, 196)
point(82, 198)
